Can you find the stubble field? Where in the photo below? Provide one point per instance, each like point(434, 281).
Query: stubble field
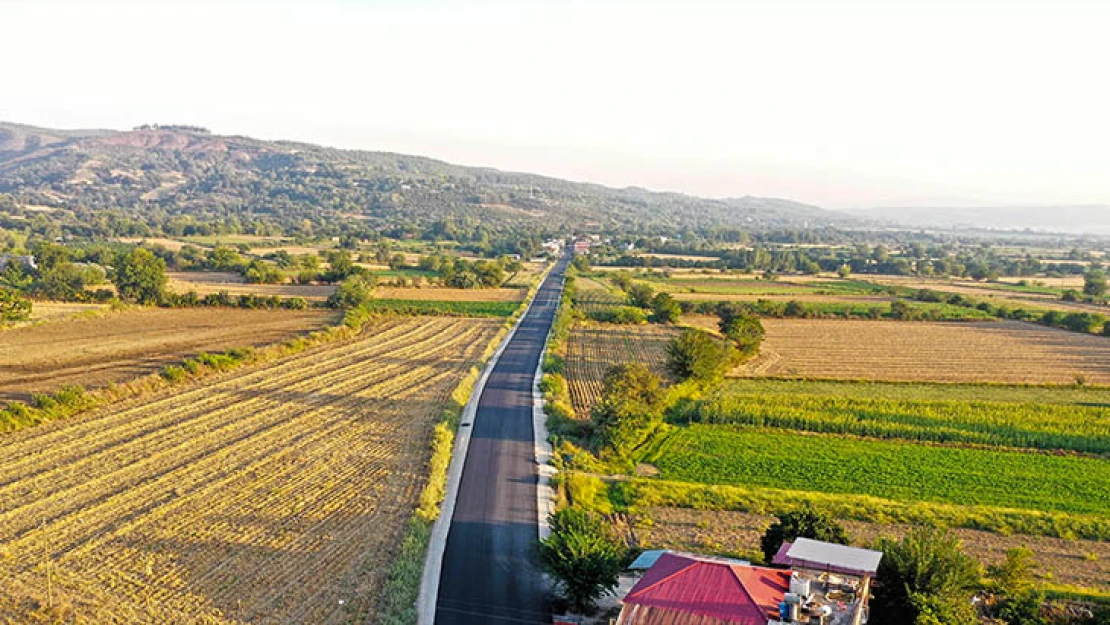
point(121, 346)
point(275, 494)
point(591, 351)
point(1005, 352)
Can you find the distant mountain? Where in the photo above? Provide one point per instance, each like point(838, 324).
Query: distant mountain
point(1064, 219)
point(186, 172)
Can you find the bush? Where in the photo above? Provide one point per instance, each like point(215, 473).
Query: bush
point(630, 408)
point(665, 309)
point(13, 307)
point(697, 355)
point(925, 578)
point(620, 314)
point(354, 291)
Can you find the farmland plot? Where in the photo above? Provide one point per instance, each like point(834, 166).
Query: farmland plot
point(1006, 352)
point(122, 346)
point(274, 494)
point(592, 350)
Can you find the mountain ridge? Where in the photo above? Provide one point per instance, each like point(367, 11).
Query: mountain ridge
point(186, 170)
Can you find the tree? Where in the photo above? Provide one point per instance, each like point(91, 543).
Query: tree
point(397, 261)
point(696, 355)
point(665, 309)
point(13, 307)
point(844, 271)
point(581, 263)
point(640, 294)
point(925, 578)
point(141, 276)
point(1094, 283)
point(1013, 575)
point(584, 555)
point(353, 291)
point(804, 523)
point(743, 328)
point(630, 408)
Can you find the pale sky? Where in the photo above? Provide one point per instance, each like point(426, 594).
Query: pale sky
point(837, 104)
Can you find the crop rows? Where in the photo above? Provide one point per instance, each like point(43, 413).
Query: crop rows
point(836, 464)
point(1006, 352)
point(1076, 427)
point(592, 351)
point(271, 494)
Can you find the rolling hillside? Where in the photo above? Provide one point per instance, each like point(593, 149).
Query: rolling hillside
point(188, 173)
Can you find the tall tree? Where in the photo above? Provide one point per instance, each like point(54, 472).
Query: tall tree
point(140, 276)
point(925, 578)
point(584, 555)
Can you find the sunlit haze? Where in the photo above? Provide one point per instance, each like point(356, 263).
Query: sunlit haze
point(873, 105)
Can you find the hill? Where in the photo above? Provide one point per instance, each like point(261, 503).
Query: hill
point(184, 172)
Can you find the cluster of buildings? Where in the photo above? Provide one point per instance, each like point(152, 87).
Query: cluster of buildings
point(820, 584)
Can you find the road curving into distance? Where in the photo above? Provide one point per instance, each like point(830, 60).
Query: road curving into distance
point(489, 572)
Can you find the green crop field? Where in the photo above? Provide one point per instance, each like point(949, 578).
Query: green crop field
point(725, 286)
point(733, 455)
point(1069, 418)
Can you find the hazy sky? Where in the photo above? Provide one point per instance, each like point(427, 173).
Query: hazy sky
point(851, 105)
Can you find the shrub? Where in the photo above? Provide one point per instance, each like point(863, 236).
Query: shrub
point(696, 355)
point(925, 576)
point(13, 307)
point(630, 408)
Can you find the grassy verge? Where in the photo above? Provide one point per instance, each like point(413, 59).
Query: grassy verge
point(402, 587)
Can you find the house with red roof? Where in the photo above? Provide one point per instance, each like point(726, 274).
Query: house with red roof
point(684, 589)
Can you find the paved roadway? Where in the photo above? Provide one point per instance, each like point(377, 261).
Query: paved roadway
point(489, 572)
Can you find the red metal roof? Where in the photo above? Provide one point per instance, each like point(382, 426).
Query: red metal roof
point(707, 587)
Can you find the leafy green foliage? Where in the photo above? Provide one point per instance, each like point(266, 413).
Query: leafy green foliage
point(583, 555)
point(630, 408)
point(640, 295)
point(441, 307)
point(665, 308)
point(1094, 283)
point(354, 291)
point(697, 355)
point(140, 276)
point(925, 578)
point(13, 307)
point(744, 329)
point(804, 523)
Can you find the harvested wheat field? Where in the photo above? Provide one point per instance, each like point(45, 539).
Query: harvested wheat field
point(206, 283)
point(121, 346)
point(592, 350)
point(1009, 351)
point(274, 494)
point(450, 295)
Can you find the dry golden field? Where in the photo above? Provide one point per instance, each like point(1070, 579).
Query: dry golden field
point(592, 350)
point(1010, 352)
point(206, 282)
point(273, 494)
point(53, 311)
point(1083, 563)
point(121, 346)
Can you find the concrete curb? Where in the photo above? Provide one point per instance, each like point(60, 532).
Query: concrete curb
point(437, 542)
point(545, 495)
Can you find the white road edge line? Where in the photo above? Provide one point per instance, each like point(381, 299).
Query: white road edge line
point(437, 542)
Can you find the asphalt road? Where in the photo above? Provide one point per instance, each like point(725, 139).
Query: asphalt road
point(489, 571)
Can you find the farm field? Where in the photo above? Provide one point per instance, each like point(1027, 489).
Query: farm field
point(274, 494)
point(207, 282)
point(1004, 352)
point(451, 295)
point(844, 465)
point(121, 346)
point(54, 311)
point(1068, 418)
point(1083, 563)
point(592, 350)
